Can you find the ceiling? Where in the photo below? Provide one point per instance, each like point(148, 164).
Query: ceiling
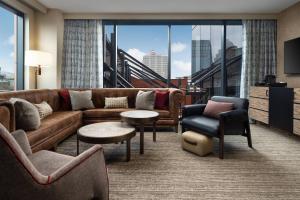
point(169, 6)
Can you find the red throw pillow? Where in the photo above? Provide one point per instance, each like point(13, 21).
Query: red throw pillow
point(213, 108)
point(162, 100)
point(65, 99)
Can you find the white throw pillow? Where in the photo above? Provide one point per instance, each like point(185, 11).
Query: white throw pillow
point(145, 100)
point(116, 102)
point(81, 99)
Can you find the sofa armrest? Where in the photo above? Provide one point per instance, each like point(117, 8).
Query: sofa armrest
point(196, 109)
point(21, 138)
point(7, 113)
point(176, 98)
point(96, 150)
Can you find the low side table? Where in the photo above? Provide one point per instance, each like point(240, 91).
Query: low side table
point(106, 133)
point(140, 118)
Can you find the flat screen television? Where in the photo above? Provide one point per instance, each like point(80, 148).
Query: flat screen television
point(292, 56)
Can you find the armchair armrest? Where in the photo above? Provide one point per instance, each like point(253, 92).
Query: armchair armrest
point(21, 138)
point(233, 122)
point(77, 161)
point(196, 109)
point(234, 115)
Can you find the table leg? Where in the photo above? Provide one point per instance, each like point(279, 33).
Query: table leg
point(77, 146)
point(142, 139)
point(154, 131)
point(128, 149)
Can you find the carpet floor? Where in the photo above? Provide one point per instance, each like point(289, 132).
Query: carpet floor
point(269, 171)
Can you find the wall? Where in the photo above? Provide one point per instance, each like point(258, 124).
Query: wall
point(49, 38)
point(288, 28)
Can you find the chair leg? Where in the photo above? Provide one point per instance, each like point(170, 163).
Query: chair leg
point(221, 147)
point(176, 128)
point(182, 129)
point(248, 132)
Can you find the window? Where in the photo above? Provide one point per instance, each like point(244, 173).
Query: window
point(202, 57)
point(11, 49)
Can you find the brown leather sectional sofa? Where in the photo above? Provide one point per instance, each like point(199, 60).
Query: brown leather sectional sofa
point(63, 123)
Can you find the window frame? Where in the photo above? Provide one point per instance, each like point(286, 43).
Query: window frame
point(20, 45)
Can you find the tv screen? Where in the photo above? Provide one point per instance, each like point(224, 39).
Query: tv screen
point(292, 56)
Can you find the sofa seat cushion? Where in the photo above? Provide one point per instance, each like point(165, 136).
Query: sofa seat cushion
point(163, 114)
point(205, 125)
point(47, 162)
point(114, 113)
point(52, 125)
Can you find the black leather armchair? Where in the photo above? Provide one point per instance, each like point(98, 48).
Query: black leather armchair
point(235, 122)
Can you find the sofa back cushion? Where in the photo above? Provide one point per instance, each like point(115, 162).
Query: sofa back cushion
point(100, 94)
point(35, 96)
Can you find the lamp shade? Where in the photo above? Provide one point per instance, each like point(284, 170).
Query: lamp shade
point(38, 58)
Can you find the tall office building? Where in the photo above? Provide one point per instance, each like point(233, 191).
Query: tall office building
point(157, 62)
point(201, 55)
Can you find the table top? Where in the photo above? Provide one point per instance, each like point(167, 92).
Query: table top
point(139, 114)
point(105, 132)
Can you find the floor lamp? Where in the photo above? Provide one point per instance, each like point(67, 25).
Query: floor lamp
point(38, 59)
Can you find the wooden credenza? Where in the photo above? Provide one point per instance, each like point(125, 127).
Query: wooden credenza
point(277, 107)
point(296, 116)
point(259, 104)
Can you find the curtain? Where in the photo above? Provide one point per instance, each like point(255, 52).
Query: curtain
point(82, 57)
point(259, 52)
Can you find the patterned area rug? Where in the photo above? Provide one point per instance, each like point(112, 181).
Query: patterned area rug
point(269, 171)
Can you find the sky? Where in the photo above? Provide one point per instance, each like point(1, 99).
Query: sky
point(138, 40)
point(7, 41)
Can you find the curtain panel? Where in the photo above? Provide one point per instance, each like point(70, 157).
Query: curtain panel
point(82, 57)
point(259, 52)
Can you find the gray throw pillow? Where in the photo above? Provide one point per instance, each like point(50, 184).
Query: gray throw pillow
point(145, 100)
point(27, 115)
point(81, 99)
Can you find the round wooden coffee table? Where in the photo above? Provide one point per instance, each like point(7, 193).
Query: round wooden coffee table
point(140, 118)
point(106, 133)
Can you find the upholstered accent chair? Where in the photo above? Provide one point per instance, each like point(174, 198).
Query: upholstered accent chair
point(48, 175)
point(234, 122)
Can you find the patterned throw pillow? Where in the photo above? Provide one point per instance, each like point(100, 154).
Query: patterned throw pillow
point(44, 109)
point(116, 102)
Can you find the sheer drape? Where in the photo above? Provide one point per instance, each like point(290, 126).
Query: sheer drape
point(259, 52)
point(82, 57)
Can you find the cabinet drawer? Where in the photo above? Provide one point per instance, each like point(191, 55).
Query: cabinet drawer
point(261, 104)
point(297, 95)
point(260, 92)
point(259, 115)
point(296, 127)
point(297, 111)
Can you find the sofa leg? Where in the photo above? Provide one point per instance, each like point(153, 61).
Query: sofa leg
point(248, 132)
point(221, 147)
